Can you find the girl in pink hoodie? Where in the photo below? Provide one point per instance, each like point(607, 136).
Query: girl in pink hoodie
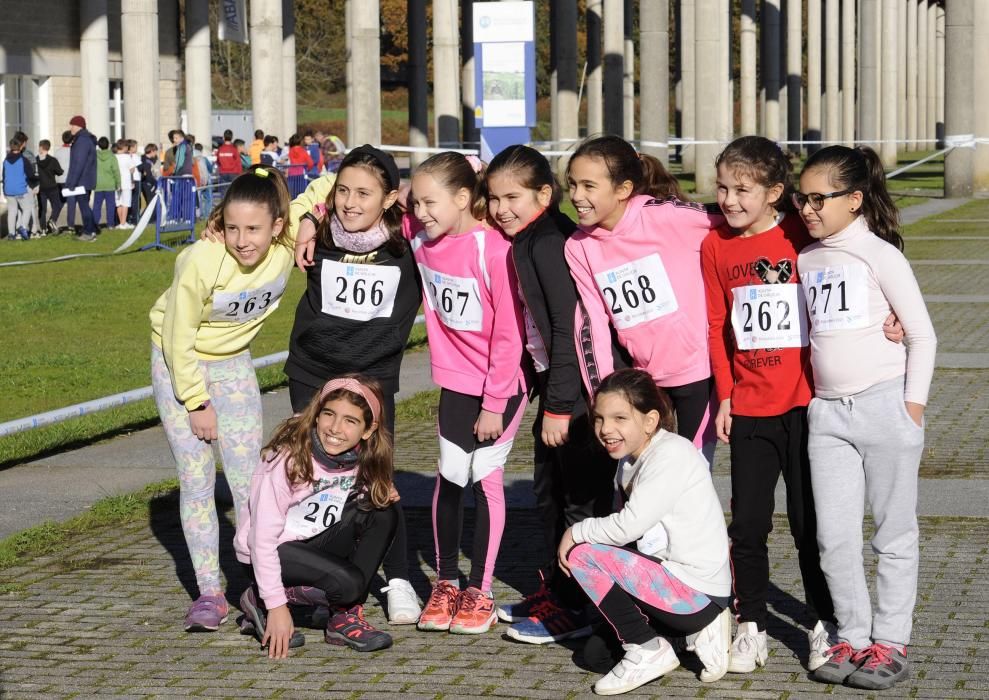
point(474, 324)
point(636, 262)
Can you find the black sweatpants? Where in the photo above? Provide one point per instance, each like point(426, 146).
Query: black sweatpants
point(396, 564)
point(341, 560)
point(762, 448)
point(690, 401)
point(53, 196)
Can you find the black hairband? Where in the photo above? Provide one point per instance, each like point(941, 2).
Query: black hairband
point(386, 162)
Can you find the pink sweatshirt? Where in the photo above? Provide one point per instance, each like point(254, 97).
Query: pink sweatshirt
point(644, 279)
point(274, 505)
point(473, 315)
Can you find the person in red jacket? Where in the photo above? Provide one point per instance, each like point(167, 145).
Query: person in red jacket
point(228, 161)
point(298, 157)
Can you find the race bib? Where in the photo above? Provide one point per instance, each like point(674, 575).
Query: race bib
point(769, 316)
point(240, 307)
point(359, 292)
point(320, 511)
point(837, 297)
point(456, 300)
point(637, 291)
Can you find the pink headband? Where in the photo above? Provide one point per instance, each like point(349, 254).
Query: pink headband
point(476, 163)
point(351, 384)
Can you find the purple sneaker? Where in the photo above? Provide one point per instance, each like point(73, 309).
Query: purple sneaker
point(256, 617)
point(206, 614)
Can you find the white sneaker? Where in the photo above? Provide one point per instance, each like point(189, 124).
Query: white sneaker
point(712, 645)
point(641, 664)
point(821, 638)
point(750, 649)
point(403, 605)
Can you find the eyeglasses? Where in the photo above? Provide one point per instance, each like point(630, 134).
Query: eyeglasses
point(816, 199)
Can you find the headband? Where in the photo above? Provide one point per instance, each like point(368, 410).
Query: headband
point(476, 164)
point(386, 162)
point(351, 384)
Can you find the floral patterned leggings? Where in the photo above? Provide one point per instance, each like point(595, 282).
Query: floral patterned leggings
point(234, 394)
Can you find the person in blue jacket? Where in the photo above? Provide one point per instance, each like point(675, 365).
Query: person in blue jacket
point(82, 174)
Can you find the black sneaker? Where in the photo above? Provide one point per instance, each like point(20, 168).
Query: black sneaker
point(255, 618)
point(349, 628)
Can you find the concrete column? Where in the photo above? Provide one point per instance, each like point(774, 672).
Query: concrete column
point(939, 70)
point(747, 68)
point(770, 67)
point(593, 87)
point(654, 85)
point(980, 99)
point(138, 38)
point(418, 83)
point(93, 50)
point(901, 73)
point(198, 87)
point(959, 108)
point(614, 66)
point(832, 100)
point(922, 65)
point(726, 113)
point(472, 135)
point(628, 77)
point(784, 53)
point(348, 33)
point(366, 52)
point(911, 39)
point(706, 39)
point(869, 108)
point(931, 72)
point(266, 66)
point(688, 93)
point(848, 72)
point(813, 73)
point(564, 32)
point(446, 73)
point(794, 71)
point(890, 68)
point(288, 91)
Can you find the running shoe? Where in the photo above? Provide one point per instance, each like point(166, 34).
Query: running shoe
point(347, 627)
point(881, 667)
point(841, 662)
point(551, 622)
point(523, 610)
point(440, 608)
point(403, 605)
point(256, 618)
point(206, 614)
point(821, 639)
point(749, 649)
point(641, 664)
point(475, 612)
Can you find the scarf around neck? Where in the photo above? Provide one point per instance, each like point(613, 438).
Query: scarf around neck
point(358, 241)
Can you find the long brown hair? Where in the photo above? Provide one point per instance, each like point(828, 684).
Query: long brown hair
point(453, 171)
point(639, 389)
point(260, 184)
point(762, 160)
point(646, 173)
point(375, 462)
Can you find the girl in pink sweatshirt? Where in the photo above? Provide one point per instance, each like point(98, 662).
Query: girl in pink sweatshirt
point(475, 333)
point(636, 262)
point(320, 517)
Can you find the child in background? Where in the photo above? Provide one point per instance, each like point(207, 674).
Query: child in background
point(761, 364)
point(298, 157)
point(126, 188)
point(62, 156)
point(107, 184)
point(320, 517)
point(270, 154)
point(315, 154)
point(18, 178)
point(866, 422)
point(203, 379)
point(49, 169)
point(228, 162)
point(475, 332)
point(150, 172)
point(636, 261)
point(657, 568)
point(572, 475)
point(135, 162)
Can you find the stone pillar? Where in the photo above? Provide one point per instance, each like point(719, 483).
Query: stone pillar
point(901, 73)
point(446, 73)
point(266, 66)
point(614, 66)
point(706, 38)
point(889, 39)
point(939, 70)
point(747, 68)
point(868, 104)
point(628, 77)
point(688, 93)
point(848, 73)
point(348, 32)
point(288, 91)
point(911, 39)
point(980, 98)
point(418, 83)
point(138, 38)
point(567, 110)
point(726, 112)
point(472, 135)
point(813, 73)
point(593, 86)
point(654, 84)
point(93, 59)
point(198, 70)
point(931, 72)
point(794, 71)
point(366, 52)
point(770, 67)
point(922, 64)
point(832, 100)
point(959, 108)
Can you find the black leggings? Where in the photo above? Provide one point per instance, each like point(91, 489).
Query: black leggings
point(690, 403)
point(396, 563)
point(341, 560)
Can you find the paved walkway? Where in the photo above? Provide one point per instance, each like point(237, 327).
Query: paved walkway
point(101, 619)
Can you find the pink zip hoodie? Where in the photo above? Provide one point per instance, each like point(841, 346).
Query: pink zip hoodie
point(473, 315)
point(644, 279)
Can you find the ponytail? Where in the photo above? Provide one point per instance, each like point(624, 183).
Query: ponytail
point(657, 181)
point(455, 171)
point(647, 174)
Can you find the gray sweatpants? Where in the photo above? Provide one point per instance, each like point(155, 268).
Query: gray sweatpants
point(19, 212)
point(861, 447)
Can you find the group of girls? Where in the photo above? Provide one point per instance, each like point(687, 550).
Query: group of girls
point(626, 326)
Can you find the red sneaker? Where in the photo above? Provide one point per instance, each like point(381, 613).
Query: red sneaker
point(475, 613)
point(440, 608)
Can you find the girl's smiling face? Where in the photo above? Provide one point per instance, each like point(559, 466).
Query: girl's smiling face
point(620, 427)
point(359, 199)
point(340, 426)
point(836, 213)
point(248, 231)
point(748, 206)
point(513, 205)
point(599, 202)
point(438, 210)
